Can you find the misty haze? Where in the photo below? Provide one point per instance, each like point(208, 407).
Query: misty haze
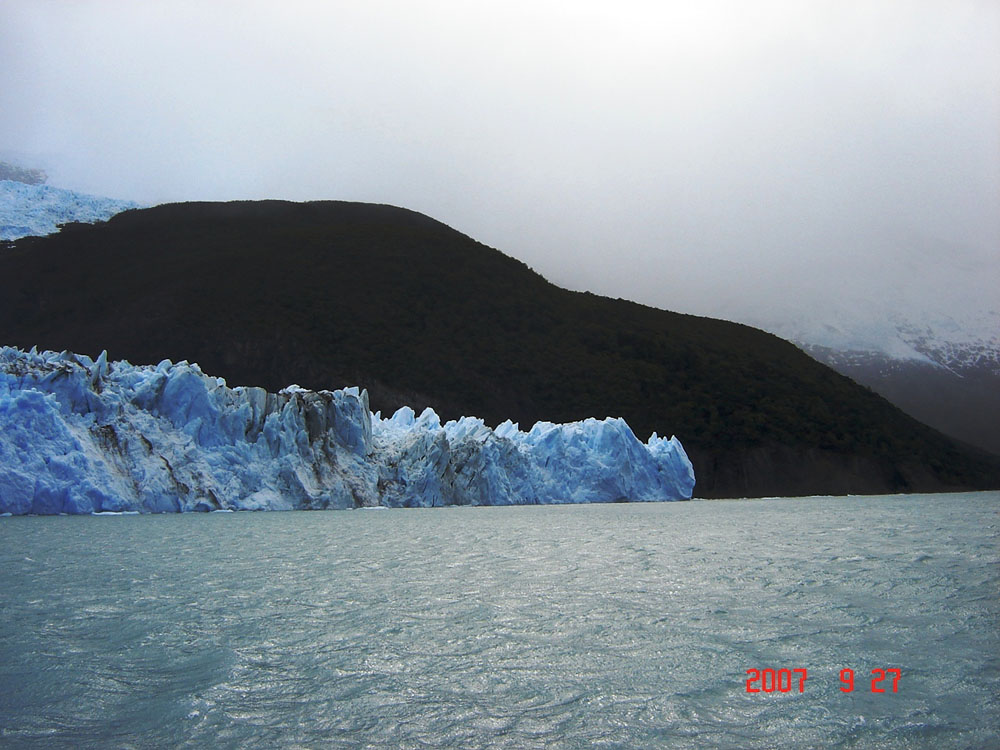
point(424, 256)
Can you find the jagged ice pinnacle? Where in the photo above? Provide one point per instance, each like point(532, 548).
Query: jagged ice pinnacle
point(85, 436)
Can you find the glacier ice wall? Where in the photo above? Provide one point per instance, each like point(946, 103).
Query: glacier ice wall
point(82, 436)
point(36, 210)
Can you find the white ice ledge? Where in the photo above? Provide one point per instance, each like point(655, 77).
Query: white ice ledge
point(85, 436)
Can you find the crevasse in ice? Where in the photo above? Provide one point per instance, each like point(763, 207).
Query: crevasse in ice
point(79, 436)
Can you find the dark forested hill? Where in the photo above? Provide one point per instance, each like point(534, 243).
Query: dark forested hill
point(329, 294)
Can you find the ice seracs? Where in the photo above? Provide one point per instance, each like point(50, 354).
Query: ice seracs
point(36, 210)
point(91, 436)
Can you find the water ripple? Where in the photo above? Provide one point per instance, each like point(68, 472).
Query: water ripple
point(624, 626)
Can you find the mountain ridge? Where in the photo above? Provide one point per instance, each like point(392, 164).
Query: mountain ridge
point(327, 294)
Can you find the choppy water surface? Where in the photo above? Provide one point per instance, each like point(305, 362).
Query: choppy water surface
point(556, 626)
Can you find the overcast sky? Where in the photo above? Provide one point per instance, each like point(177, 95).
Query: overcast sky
point(708, 157)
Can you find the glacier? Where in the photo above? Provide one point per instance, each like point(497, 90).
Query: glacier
point(79, 435)
point(37, 210)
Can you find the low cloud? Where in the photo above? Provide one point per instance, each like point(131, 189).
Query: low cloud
point(711, 159)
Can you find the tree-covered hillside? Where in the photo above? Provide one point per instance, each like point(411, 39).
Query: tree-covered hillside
point(329, 294)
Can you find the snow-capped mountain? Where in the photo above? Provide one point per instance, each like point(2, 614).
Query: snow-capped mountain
point(85, 436)
point(935, 353)
point(956, 344)
point(34, 210)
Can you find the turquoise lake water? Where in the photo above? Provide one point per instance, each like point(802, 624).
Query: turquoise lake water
point(609, 626)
